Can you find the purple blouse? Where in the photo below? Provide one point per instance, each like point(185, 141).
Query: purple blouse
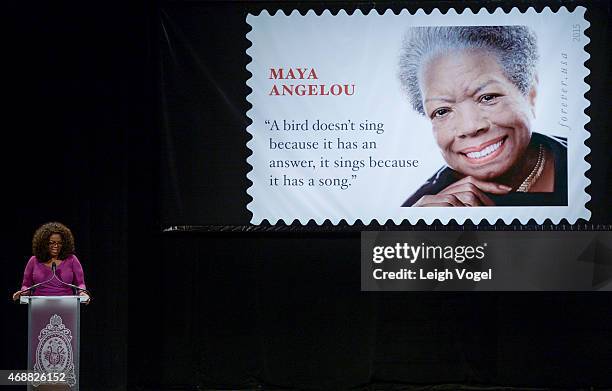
point(69, 271)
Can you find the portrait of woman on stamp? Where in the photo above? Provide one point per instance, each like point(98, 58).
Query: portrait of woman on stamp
point(478, 86)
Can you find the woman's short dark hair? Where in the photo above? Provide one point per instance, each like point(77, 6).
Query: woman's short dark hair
point(40, 241)
point(514, 47)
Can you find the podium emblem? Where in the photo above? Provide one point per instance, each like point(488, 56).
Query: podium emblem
point(54, 351)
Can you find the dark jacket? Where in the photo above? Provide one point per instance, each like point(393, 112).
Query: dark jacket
point(446, 176)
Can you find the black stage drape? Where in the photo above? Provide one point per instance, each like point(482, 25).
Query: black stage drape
point(203, 102)
point(178, 310)
point(242, 310)
point(73, 69)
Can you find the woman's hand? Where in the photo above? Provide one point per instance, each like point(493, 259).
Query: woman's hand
point(17, 295)
point(467, 191)
point(81, 293)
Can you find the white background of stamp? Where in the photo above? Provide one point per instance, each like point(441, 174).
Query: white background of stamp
point(364, 49)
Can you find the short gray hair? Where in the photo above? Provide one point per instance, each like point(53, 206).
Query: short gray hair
point(514, 47)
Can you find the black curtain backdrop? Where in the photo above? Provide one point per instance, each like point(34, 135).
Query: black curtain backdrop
point(82, 142)
point(202, 95)
point(74, 103)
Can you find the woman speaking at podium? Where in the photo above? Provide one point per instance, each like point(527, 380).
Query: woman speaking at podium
point(53, 264)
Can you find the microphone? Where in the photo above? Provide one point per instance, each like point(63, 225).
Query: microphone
point(53, 267)
point(33, 287)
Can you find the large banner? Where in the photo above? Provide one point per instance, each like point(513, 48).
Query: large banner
point(418, 116)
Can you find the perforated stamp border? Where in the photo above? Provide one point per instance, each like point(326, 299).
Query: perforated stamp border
point(577, 151)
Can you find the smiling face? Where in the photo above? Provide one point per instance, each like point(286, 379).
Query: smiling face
point(55, 245)
point(480, 120)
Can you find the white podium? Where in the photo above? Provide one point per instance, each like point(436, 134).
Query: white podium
point(53, 338)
